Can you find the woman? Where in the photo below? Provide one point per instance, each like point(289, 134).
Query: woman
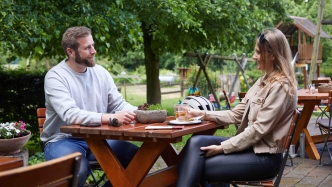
point(255, 152)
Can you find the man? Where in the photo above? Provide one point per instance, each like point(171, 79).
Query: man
point(77, 91)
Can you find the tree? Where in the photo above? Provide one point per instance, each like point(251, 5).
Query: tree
point(34, 27)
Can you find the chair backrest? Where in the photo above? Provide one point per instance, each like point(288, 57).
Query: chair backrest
point(287, 144)
point(41, 115)
point(327, 110)
point(62, 172)
point(241, 95)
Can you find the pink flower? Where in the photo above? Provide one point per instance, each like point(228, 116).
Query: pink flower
point(22, 127)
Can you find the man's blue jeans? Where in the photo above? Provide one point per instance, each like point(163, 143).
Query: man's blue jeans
point(124, 150)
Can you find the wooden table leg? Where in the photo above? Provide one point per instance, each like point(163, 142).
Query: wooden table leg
point(310, 146)
point(137, 169)
point(109, 162)
point(303, 120)
point(143, 161)
point(308, 108)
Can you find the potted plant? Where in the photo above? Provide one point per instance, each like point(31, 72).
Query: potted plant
point(13, 136)
point(150, 113)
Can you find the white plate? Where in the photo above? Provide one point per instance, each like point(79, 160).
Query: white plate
point(176, 122)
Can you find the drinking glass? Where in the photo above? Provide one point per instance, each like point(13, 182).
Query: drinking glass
point(179, 112)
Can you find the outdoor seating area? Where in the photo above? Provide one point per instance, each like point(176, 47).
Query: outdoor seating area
point(166, 93)
point(304, 169)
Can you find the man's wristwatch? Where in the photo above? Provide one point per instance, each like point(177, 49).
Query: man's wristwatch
point(114, 122)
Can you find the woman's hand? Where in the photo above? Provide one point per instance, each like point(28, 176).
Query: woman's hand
point(212, 150)
point(191, 113)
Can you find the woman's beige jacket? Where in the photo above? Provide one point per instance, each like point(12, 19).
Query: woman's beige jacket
point(264, 116)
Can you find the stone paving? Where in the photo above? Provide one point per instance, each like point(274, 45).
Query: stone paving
point(307, 172)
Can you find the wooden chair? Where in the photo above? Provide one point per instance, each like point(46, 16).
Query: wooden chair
point(241, 95)
point(58, 172)
point(275, 181)
point(325, 127)
point(94, 165)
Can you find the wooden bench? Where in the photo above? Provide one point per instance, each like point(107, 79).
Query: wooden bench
point(60, 172)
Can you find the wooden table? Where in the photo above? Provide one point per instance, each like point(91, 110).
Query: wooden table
point(309, 101)
point(7, 163)
point(155, 143)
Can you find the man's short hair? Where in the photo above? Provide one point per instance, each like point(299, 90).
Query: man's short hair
point(69, 38)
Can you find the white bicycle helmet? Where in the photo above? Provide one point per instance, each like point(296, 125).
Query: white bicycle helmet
point(198, 102)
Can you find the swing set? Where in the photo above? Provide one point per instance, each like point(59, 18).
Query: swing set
point(203, 61)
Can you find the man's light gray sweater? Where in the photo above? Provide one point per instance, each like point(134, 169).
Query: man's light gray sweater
point(75, 98)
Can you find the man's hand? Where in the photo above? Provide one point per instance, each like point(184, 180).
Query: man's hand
point(212, 150)
point(124, 117)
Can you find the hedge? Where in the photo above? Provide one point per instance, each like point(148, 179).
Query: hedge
point(22, 92)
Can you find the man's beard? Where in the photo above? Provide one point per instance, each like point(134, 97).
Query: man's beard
point(87, 62)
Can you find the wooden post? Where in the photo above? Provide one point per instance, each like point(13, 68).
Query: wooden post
point(305, 76)
point(316, 41)
point(183, 76)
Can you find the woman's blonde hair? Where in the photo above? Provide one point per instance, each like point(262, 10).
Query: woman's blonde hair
point(274, 48)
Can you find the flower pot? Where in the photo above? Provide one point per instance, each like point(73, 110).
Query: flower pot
point(150, 116)
point(13, 145)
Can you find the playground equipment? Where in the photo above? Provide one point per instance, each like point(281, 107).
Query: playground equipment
point(204, 59)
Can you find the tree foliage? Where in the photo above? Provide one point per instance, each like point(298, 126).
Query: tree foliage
point(34, 27)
